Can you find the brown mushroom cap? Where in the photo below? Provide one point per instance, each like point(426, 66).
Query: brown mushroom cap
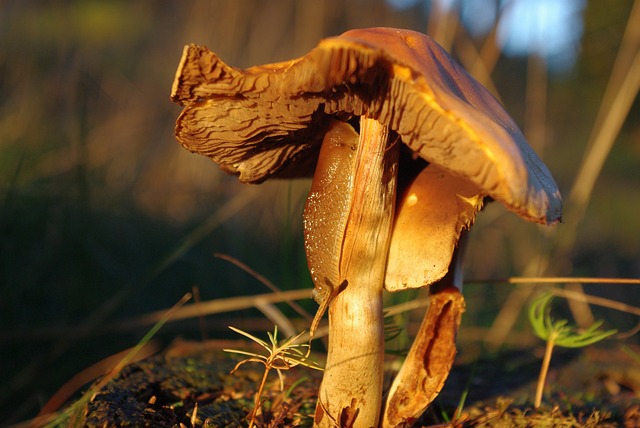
point(431, 214)
point(269, 121)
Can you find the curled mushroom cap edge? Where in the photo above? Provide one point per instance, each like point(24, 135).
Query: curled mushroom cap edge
point(267, 121)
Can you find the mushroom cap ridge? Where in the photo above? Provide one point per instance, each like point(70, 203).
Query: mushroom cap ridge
point(268, 120)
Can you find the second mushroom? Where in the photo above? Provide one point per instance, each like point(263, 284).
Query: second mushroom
point(404, 146)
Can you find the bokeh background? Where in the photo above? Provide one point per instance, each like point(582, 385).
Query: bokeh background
point(104, 217)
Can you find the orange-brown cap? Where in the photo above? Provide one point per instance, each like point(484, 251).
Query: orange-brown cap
point(269, 121)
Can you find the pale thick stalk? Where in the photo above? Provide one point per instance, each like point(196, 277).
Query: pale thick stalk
point(351, 390)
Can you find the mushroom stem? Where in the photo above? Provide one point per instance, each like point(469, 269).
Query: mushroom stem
point(351, 390)
point(431, 356)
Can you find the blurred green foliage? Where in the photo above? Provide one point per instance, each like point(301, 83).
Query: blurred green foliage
point(95, 194)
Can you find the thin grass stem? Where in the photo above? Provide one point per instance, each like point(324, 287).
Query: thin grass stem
point(544, 370)
point(258, 399)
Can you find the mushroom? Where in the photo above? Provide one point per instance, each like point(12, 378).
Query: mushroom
point(404, 147)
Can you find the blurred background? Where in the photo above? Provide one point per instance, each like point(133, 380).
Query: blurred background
point(104, 217)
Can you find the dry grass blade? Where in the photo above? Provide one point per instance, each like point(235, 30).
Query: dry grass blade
point(595, 300)
point(216, 306)
point(487, 59)
point(569, 279)
point(620, 93)
point(270, 311)
point(406, 307)
point(276, 316)
point(480, 64)
point(443, 23)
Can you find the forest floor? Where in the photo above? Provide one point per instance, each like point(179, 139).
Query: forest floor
point(593, 387)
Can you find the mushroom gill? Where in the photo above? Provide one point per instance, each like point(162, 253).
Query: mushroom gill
point(270, 120)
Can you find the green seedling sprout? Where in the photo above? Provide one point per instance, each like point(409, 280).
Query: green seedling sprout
point(280, 356)
point(558, 333)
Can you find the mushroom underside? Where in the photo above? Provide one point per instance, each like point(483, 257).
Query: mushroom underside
point(269, 121)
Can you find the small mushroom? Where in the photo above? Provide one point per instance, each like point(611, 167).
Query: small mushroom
point(404, 146)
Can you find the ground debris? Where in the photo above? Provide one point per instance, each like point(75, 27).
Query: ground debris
point(503, 413)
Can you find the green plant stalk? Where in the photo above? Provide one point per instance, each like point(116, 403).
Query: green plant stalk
point(558, 333)
point(258, 400)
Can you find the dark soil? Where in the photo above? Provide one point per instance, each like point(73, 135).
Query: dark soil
point(164, 391)
point(591, 387)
